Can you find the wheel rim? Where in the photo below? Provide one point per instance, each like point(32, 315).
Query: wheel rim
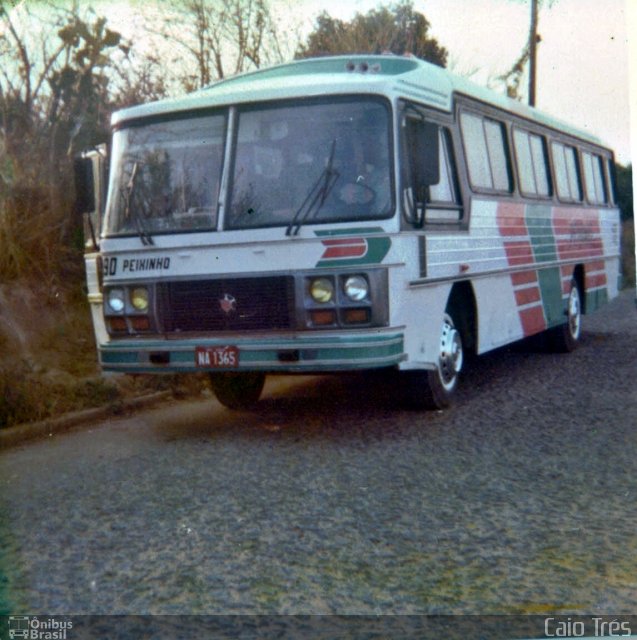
point(574, 313)
point(451, 355)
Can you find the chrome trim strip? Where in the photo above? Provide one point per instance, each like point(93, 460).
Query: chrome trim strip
point(536, 266)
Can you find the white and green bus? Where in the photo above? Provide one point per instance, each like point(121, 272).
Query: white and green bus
point(340, 214)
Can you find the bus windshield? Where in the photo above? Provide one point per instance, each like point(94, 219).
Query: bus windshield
point(311, 162)
point(291, 164)
point(166, 176)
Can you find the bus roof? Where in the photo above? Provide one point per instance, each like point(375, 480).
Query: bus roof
point(390, 75)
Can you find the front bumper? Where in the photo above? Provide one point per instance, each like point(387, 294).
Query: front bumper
point(286, 354)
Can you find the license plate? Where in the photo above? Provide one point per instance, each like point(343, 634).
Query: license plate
point(217, 357)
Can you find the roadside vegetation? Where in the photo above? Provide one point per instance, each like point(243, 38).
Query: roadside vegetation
point(63, 71)
point(624, 190)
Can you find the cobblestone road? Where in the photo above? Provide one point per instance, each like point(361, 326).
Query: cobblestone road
point(520, 499)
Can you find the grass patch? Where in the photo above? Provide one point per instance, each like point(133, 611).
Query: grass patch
point(28, 397)
point(15, 406)
point(48, 358)
point(67, 341)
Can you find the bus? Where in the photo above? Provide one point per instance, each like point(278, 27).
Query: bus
point(342, 214)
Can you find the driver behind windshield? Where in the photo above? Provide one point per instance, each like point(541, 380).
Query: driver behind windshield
point(367, 180)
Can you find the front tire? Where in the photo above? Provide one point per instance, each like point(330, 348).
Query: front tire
point(238, 389)
point(435, 389)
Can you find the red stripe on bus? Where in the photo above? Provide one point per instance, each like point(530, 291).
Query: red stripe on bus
point(523, 277)
point(344, 248)
point(527, 296)
point(510, 218)
point(598, 265)
point(567, 276)
point(519, 252)
point(577, 233)
point(573, 255)
point(532, 320)
point(565, 220)
point(596, 280)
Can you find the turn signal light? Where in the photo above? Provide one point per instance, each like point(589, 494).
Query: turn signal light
point(322, 317)
point(117, 325)
point(356, 316)
point(140, 323)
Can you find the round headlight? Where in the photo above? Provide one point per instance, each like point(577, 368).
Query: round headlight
point(322, 290)
point(139, 298)
point(115, 300)
point(356, 288)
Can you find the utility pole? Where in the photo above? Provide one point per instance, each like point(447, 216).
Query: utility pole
point(533, 42)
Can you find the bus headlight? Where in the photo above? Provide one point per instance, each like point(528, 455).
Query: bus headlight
point(322, 290)
point(350, 299)
point(139, 298)
point(356, 288)
point(115, 300)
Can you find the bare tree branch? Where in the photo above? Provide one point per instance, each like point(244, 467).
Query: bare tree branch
point(219, 35)
point(24, 59)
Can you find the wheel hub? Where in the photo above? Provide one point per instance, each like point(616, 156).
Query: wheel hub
point(451, 356)
point(574, 313)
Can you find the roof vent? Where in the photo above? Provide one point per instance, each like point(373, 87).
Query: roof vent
point(362, 67)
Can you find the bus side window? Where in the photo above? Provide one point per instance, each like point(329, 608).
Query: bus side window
point(596, 192)
point(444, 203)
point(476, 151)
point(567, 178)
point(530, 154)
point(487, 153)
point(498, 155)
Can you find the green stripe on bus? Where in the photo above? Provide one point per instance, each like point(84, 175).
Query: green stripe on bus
point(377, 249)
point(551, 289)
point(377, 246)
point(540, 226)
point(352, 351)
point(307, 355)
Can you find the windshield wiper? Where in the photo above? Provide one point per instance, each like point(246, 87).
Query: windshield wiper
point(144, 236)
point(316, 196)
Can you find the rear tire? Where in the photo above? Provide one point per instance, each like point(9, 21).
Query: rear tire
point(435, 389)
point(238, 389)
point(566, 337)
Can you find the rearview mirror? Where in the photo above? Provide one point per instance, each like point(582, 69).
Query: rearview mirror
point(423, 142)
point(84, 185)
point(91, 179)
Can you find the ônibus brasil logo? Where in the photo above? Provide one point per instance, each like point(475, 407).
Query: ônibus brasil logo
point(38, 628)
